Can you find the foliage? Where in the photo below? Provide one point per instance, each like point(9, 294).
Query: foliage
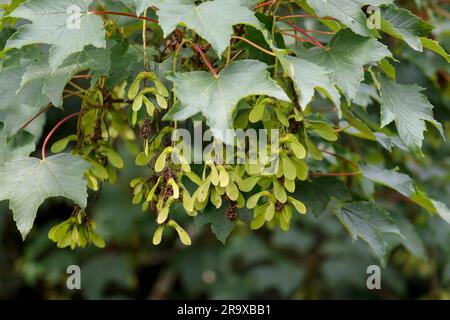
point(346, 113)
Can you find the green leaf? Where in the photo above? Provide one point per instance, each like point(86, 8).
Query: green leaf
point(114, 158)
point(308, 77)
point(410, 240)
point(431, 205)
point(364, 130)
point(324, 130)
point(17, 147)
point(346, 58)
point(389, 178)
point(317, 194)
point(255, 35)
point(442, 210)
point(436, 47)
point(54, 81)
point(60, 145)
point(409, 108)
point(367, 221)
point(402, 24)
point(367, 95)
point(388, 68)
point(142, 5)
point(216, 99)
point(257, 113)
point(220, 226)
point(19, 103)
point(26, 183)
point(211, 20)
point(349, 12)
point(53, 23)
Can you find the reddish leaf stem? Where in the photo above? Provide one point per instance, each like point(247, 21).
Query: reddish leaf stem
point(314, 40)
point(205, 59)
point(304, 16)
point(265, 4)
point(47, 139)
point(296, 37)
point(254, 45)
point(122, 14)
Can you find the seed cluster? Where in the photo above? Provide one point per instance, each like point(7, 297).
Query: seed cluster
point(279, 206)
point(168, 174)
point(166, 189)
point(294, 125)
point(97, 133)
point(231, 213)
point(146, 129)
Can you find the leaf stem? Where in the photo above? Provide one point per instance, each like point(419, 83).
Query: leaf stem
point(60, 123)
point(37, 115)
point(321, 32)
point(304, 16)
point(74, 93)
point(144, 44)
point(335, 174)
point(176, 55)
point(82, 76)
point(70, 95)
point(205, 59)
point(80, 89)
point(237, 54)
point(353, 164)
point(314, 40)
point(268, 3)
point(254, 45)
point(296, 37)
point(124, 14)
